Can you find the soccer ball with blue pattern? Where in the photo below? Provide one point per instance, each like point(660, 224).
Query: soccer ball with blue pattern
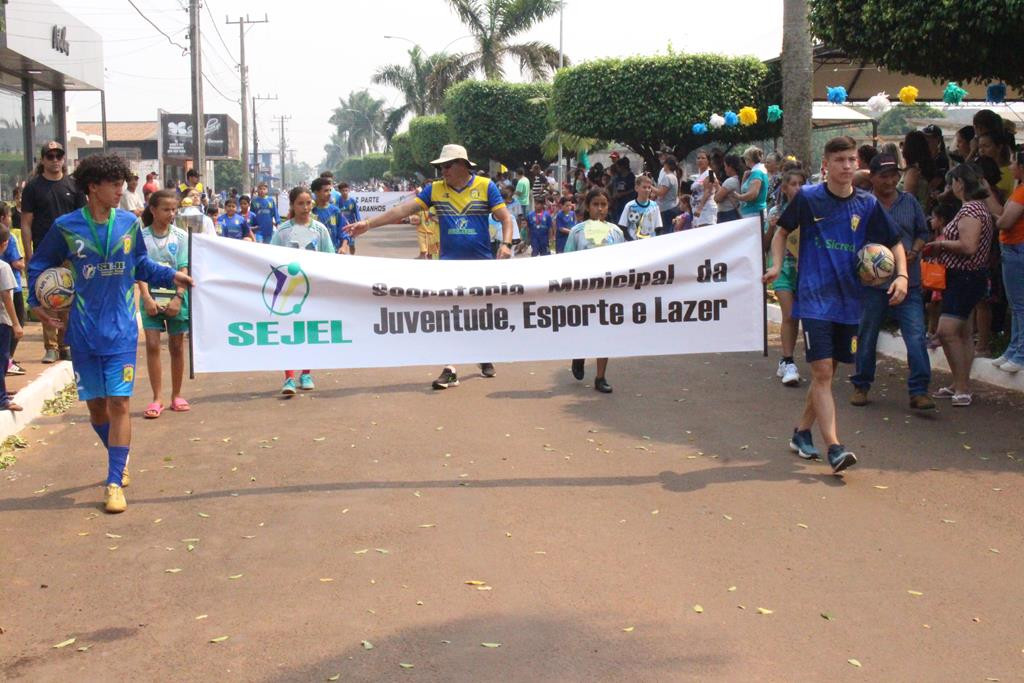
point(55, 288)
point(875, 265)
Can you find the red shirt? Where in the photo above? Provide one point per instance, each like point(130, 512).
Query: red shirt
point(150, 187)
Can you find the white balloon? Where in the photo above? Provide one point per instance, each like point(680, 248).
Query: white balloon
point(879, 104)
point(716, 121)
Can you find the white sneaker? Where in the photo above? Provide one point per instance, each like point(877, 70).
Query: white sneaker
point(1011, 367)
point(998, 362)
point(791, 376)
point(782, 369)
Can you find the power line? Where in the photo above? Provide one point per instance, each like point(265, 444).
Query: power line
point(184, 50)
point(211, 84)
point(217, 30)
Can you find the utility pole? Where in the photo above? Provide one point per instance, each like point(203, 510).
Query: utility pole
point(243, 72)
point(561, 63)
point(198, 119)
point(256, 138)
point(281, 148)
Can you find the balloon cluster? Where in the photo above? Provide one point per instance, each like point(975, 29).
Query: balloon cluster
point(953, 94)
point(747, 116)
point(995, 93)
point(879, 104)
point(908, 94)
point(774, 113)
point(837, 95)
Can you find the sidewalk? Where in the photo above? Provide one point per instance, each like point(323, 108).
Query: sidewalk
point(39, 383)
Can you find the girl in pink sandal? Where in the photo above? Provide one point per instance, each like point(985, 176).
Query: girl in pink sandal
point(164, 309)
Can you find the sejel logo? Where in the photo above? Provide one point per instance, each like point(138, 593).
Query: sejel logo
point(286, 289)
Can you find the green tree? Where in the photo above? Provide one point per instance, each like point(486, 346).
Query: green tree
point(614, 99)
point(362, 121)
point(335, 152)
point(403, 163)
point(227, 173)
point(363, 168)
point(959, 41)
point(423, 82)
point(493, 24)
point(497, 120)
point(894, 121)
point(427, 135)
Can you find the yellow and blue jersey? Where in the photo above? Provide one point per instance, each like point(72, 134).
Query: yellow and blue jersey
point(263, 216)
point(832, 230)
point(106, 259)
point(463, 216)
point(233, 226)
point(334, 220)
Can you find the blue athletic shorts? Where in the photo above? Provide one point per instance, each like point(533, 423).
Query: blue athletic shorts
point(102, 376)
point(826, 339)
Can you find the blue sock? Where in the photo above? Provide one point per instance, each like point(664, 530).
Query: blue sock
point(102, 431)
point(117, 458)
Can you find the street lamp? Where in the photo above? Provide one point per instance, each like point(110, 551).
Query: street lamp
point(414, 43)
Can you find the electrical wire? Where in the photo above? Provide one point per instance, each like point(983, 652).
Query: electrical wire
point(213, 21)
point(184, 50)
point(211, 84)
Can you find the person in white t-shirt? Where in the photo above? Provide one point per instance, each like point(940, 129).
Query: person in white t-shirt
point(641, 217)
point(702, 193)
point(130, 200)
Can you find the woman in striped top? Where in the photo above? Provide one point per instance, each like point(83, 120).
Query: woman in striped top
point(964, 249)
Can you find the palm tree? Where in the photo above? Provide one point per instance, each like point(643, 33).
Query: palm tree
point(422, 82)
point(493, 23)
point(335, 152)
point(797, 64)
point(362, 121)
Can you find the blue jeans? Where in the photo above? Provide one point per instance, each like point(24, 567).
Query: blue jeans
point(910, 314)
point(1013, 283)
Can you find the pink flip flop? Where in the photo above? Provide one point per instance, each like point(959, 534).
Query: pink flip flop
point(153, 410)
point(180, 405)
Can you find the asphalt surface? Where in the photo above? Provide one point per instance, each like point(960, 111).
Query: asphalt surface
point(376, 530)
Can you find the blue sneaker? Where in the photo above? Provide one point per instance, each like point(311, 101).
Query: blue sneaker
point(289, 387)
point(802, 445)
point(306, 382)
point(840, 458)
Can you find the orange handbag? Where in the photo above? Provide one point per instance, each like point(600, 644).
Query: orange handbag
point(933, 275)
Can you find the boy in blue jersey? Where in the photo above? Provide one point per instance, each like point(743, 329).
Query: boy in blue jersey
point(541, 232)
point(335, 195)
point(350, 210)
point(107, 254)
point(463, 202)
point(232, 224)
point(565, 220)
point(264, 214)
point(329, 214)
point(835, 220)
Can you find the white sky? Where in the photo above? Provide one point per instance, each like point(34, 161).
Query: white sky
point(314, 51)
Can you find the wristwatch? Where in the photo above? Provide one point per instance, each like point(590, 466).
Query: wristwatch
point(507, 244)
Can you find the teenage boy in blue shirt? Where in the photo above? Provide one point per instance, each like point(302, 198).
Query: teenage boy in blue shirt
point(329, 214)
point(565, 220)
point(835, 220)
point(350, 210)
point(107, 254)
point(264, 214)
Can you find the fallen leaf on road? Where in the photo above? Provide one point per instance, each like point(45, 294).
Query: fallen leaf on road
point(916, 593)
point(334, 677)
point(764, 610)
point(190, 540)
point(190, 547)
point(993, 550)
point(65, 643)
point(326, 580)
point(203, 515)
point(320, 438)
point(83, 533)
point(727, 517)
point(158, 520)
point(196, 438)
point(202, 616)
point(112, 547)
point(84, 648)
point(404, 665)
point(949, 521)
point(484, 588)
point(802, 526)
point(235, 576)
point(248, 537)
point(826, 616)
point(361, 552)
point(654, 512)
point(111, 535)
point(967, 447)
point(880, 487)
point(698, 609)
point(732, 589)
point(427, 526)
point(629, 629)
point(172, 570)
point(367, 645)
point(491, 645)
point(474, 582)
point(854, 662)
point(219, 639)
point(382, 551)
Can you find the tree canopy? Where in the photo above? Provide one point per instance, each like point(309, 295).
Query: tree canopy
point(427, 135)
point(958, 41)
point(497, 120)
point(403, 163)
point(422, 82)
point(361, 121)
point(367, 167)
point(647, 102)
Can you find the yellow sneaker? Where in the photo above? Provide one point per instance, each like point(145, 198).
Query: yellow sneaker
point(125, 478)
point(114, 500)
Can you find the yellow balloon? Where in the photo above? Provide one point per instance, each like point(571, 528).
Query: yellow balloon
point(908, 94)
point(748, 116)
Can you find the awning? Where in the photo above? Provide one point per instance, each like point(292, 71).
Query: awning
point(826, 114)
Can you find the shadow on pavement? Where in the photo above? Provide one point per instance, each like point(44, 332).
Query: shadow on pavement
point(531, 649)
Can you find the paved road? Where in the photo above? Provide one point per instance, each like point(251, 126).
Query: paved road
point(356, 516)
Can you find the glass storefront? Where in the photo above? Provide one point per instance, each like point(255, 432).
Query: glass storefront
point(12, 142)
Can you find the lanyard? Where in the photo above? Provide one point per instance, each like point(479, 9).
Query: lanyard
point(95, 237)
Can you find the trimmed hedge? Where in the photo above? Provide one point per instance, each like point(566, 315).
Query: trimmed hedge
point(498, 120)
point(361, 169)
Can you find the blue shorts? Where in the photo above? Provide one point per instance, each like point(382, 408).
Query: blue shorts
point(102, 376)
point(964, 289)
point(826, 339)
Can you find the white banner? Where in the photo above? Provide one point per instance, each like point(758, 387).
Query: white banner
point(376, 203)
point(261, 307)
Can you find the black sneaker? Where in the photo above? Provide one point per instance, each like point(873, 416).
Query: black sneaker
point(601, 384)
point(447, 379)
point(486, 369)
point(577, 368)
point(840, 458)
point(65, 353)
point(15, 369)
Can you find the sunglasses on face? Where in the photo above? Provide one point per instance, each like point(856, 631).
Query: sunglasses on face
point(446, 165)
point(52, 156)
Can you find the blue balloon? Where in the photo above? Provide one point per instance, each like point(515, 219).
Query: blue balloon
point(731, 119)
point(837, 95)
point(700, 129)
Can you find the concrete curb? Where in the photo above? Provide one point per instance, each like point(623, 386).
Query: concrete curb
point(891, 345)
point(32, 397)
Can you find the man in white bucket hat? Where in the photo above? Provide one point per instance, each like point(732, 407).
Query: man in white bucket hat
point(463, 202)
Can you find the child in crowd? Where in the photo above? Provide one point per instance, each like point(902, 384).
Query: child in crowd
point(231, 224)
point(541, 232)
point(942, 213)
point(784, 286)
point(350, 210)
point(300, 231)
point(684, 221)
point(10, 329)
point(593, 232)
point(565, 219)
point(264, 216)
point(329, 214)
point(640, 217)
point(11, 254)
point(243, 208)
point(102, 329)
point(428, 232)
point(165, 308)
